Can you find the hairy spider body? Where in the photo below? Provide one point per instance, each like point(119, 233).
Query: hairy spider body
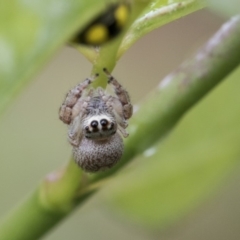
point(96, 119)
point(93, 156)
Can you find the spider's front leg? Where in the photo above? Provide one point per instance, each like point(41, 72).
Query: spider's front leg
point(122, 95)
point(120, 104)
point(65, 111)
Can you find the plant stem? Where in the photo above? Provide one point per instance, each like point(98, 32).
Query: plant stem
point(180, 90)
point(105, 56)
point(29, 220)
point(58, 195)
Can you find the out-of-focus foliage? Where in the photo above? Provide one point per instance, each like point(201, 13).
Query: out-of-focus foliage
point(31, 31)
point(157, 14)
point(172, 177)
point(225, 8)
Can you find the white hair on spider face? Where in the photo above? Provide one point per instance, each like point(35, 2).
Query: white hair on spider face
point(99, 126)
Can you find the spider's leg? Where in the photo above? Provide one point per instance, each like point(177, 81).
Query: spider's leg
point(65, 111)
point(121, 94)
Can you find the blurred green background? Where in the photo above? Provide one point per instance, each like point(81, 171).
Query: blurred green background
point(33, 141)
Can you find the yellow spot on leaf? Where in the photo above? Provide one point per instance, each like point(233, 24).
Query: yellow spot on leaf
point(121, 15)
point(97, 34)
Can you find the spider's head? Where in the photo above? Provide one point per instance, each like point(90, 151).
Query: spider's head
point(99, 126)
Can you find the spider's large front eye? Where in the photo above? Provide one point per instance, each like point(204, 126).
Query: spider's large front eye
point(94, 124)
point(104, 122)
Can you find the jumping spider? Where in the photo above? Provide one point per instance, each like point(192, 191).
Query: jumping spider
point(96, 119)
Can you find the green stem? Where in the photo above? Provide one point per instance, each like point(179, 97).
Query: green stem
point(106, 55)
point(61, 192)
point(180, 90)
point(29, 220)
point(55, 198)
point(59, 188)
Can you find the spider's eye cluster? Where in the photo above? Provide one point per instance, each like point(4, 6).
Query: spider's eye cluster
point(105, 26)
point(94, 124)
point(100, 127)
point(104, 122)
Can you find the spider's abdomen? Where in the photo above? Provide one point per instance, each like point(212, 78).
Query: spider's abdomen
point(93, 156)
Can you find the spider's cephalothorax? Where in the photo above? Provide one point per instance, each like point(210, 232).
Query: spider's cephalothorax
point(96, 120)
point(99, 123)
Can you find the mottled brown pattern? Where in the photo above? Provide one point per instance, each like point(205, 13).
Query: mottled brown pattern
point(93, 156)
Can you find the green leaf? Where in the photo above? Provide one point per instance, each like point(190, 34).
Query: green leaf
point(173, 177)
point(31, 31)
point(157, 14)
point(225, 8)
